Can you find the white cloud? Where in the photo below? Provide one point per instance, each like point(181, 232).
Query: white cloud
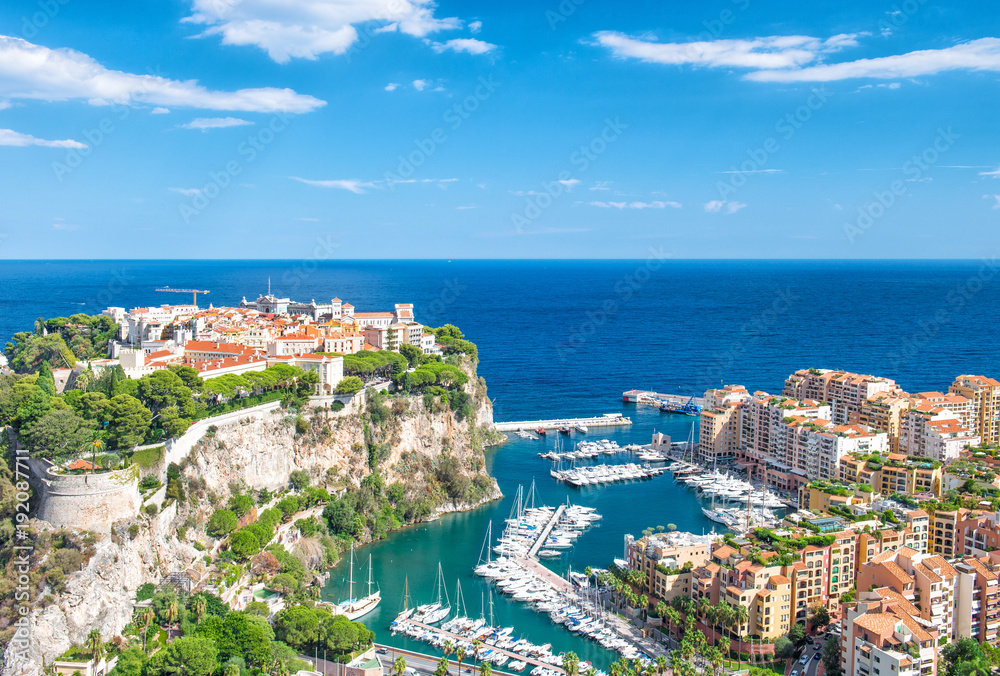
point(635, 205)
point(726, 207)
point(4, 105)
point(776, 51)
point(994, 174)
point(570, 183)
point(420, 85)
point(29, 71)
point(470, 206)
point(206, 123)
point(753, 171)
point(601, 185)
point(305, 29)
point(475, 27)
point(392, 86)
point(159, 111)
point(359, 187)
point(798, 58)
point(59, 225)
point(468, 45)
point(187, 192)
point(351, 184)
point(9, 137)
point(994, 197)
point(976, 55)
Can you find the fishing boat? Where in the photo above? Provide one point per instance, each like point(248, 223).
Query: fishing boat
point(540, 431)
point(580, 427)
point(564, 430)
point(354, 608)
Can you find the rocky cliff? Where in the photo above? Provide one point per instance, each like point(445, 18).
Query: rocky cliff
point(401, 438)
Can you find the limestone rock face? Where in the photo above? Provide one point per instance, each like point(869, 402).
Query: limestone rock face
point(255, 451)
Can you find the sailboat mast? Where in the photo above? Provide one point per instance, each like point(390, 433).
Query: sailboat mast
point(369, 574)
point(351, 595)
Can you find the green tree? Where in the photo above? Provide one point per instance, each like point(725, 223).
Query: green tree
point(289, 506)
point(412, 353)
point(820, 616)
point(442, 667)
point(349, 385)
point(300, 479)
point(221, 523)
point(298, 626)
point(831, 657)
point(797, 634)
point(244, 544)
point(95, 646)
point(187, 656)
point(131, 662)
point(399, 666)
point(57, 435)
point(783, 647)
point(127, 421)
point(571, 664)
point(240, 504)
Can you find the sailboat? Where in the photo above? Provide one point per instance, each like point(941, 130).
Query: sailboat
point(436, 611)
point(407, 610)
point(354, 608)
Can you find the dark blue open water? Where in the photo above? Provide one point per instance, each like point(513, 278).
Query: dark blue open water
point(560, 338)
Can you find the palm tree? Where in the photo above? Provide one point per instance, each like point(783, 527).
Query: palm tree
point(486, 669)
point(979, 666)
point(661, 664)
point(172, 611)
point(460, 657)
point(199, 605)
point(442, 667)
point(724, 645)
point(571, 664)
point(399, 666)
point(615, 669)
point(644, 604)
point(448, 649)
point(477, 645)
point(741, 615)
point(95, 645)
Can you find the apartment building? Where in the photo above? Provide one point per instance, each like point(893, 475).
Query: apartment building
point(956, 403)
point(926, 580)
point(763, 590)
point(984, 394)
point(883, 637)
point(844, 390)
point(668, 561)
point(882, 412)
point(822, 575)
point(815, 446)
point(977, 600)
point(977, 534)
point(944, 532)
point(720, 424)
point(935, 432)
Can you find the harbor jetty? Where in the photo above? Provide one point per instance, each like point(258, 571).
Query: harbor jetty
point(656, 398)
point(606, 420)
point(540, 540)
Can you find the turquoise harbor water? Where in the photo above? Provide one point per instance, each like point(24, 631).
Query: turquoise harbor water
point(565, 338)
point(456, 540)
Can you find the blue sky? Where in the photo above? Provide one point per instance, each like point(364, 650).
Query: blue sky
point(580, 128)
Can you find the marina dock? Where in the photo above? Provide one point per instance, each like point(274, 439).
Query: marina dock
point(559, 584)
point(545, 532)
point(650, 397)
point(606, 420)
point(456, 639)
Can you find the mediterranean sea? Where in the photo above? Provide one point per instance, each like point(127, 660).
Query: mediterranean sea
point(566, 338)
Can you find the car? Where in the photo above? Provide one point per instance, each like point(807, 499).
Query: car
point(804, 659)
point(382, 651)
point(817, 647)
point(795, 672)
point(809, 640)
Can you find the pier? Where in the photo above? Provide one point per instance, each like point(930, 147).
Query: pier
point(545, 531)
point(650, 397)
point(606, 420)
